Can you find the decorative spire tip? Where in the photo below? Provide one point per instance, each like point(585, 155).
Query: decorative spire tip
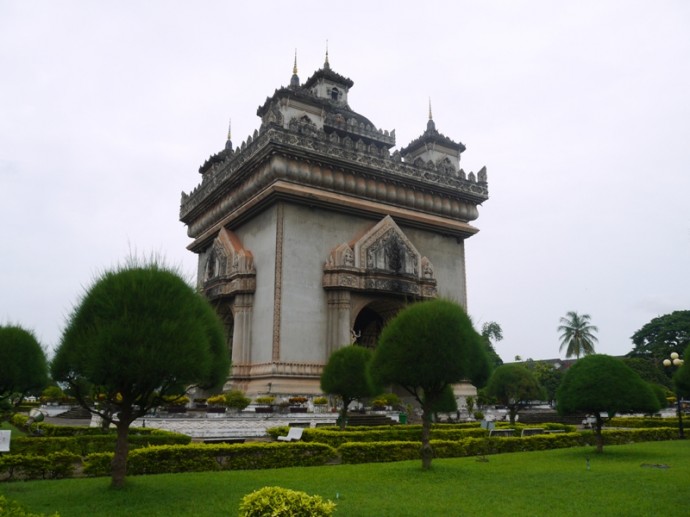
point(326, 64)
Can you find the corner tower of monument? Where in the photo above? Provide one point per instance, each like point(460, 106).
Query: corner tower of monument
point(312, 233)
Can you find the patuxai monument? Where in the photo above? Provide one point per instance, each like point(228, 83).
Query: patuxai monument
point(316, 230)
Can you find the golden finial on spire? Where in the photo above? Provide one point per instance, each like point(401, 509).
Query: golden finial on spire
point(326, 63)
point(294, 68)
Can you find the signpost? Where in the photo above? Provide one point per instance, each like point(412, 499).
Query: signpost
point(5, 441)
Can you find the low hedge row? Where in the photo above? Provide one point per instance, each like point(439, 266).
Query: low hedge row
point(202, 457)
point(28, 466)
point(87, 444)
point(371, 452)
point(354, 452)
point(646, 422)
point(50, 430)
point(407, 433)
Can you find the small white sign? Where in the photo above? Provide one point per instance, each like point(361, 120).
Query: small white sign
point(5, 441)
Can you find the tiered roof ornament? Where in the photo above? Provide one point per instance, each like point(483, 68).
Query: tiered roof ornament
point(433, 147)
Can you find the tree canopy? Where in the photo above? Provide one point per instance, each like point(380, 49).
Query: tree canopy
point(424, 349)
point(492, 332)
point(662, 336)
point(23, 367)
point(347, 375)
point(577, 334)
point(514, 386)
point(649, 370)
point(139, 335)
point(603, 384)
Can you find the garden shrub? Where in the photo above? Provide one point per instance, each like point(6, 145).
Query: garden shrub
point(88, 444)
point(217, 400)
point(371, 452)
point(402, 433)
point(236, 399)
point(170, 459)
point(28, 466)
point(637, 422)
point(98, 464)
point(9, 508)
point(273, 500)
point(377, 452)
point(202, 457)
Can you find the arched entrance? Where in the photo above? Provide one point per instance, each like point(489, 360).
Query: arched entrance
point(372, 318)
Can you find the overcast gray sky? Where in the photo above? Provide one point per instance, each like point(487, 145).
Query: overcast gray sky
point(579, 110)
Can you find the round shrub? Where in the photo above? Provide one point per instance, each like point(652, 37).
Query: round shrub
point(237, 400)
point(273, 500)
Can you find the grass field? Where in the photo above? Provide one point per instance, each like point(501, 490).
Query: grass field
point(631, 480)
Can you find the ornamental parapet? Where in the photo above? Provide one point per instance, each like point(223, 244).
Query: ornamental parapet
point(338, 164)
point(279, 369)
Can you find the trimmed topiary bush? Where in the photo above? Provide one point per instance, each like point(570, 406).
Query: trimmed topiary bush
point(28, 466)
point(236, 399)
point(273, 500)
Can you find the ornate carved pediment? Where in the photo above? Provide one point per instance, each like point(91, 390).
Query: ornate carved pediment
point(386, 248)
point(383, 259)
point(229, 267)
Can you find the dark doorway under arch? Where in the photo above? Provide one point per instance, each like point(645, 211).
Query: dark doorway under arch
point(367, 328)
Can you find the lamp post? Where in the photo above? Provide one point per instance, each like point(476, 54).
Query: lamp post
point(676, 362)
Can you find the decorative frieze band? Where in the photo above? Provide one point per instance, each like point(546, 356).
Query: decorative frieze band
point(276, 369)
point(351, 171)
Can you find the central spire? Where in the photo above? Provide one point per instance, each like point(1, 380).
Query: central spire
point(430, 126)
point(294, 80)
point(326, 64)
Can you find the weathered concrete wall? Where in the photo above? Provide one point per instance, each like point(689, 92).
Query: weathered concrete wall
point(259, 236)
point(447, 255)
point(309, 236)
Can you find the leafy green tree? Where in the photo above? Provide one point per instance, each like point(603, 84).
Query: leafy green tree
point(661, 336)
point(424, 349)
point(603, 384)
point(139, 335)
point(514, 386)
point(549, 377)
point(347, 375)
point(491, 333)
point(23, 367)
point(577, 334)
point(649, 369)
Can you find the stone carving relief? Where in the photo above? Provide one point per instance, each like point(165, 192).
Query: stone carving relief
point(229, 267)
point(383, 260)
point(385, 247)
point(303, 126)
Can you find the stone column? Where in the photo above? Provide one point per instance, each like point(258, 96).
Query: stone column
point(242, 308)
point(338, 322)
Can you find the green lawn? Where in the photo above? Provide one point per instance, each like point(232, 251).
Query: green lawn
point(553, 482)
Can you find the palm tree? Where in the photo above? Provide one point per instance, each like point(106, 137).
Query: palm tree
point(577, 334)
